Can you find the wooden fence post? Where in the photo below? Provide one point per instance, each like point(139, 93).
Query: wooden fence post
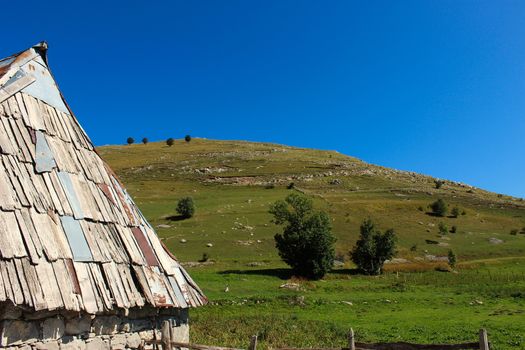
point(165, 336)
point(351, 341)
point(253, 343)
point(483, 339)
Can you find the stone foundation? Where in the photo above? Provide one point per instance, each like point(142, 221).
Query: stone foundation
point(21, 330)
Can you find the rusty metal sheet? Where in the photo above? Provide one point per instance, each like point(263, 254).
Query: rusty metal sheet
point(71, 195)
point(145, 247)
point(77, 240)
point(45, 160)
point(105, 188)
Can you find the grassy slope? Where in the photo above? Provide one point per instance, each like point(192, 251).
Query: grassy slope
point(229, 183)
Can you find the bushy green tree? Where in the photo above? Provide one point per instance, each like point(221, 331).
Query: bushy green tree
point(439, 207)
point(187, 138)
point(186, 207)
point(170, 141)
point(373, 248)
point(455, 212)
point(306, 243)
point(130, 140)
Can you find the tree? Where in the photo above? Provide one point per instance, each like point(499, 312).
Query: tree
point(373, 248)
point(145, 140)
point(170, 141)
point(306, 243)
point(443, 228)
point(452, 259)
point(186, 207)
point(438, 183)
point(187, 138)
point(455, 212)
point(130, 140)
point(439, 207)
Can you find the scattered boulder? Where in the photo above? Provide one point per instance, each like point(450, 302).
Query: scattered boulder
point(494, 240)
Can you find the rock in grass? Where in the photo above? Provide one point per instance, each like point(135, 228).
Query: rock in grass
point(209, 245)
point(494, 240)
point(183, 240)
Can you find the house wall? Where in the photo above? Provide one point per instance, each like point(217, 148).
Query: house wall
point(73, 331)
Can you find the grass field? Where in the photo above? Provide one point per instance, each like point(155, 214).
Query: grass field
point(233, 183)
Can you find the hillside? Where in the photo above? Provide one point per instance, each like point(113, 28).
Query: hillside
point(233, 183)
point(252, 292)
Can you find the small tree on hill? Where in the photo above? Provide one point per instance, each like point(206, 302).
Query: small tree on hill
point(443, 228)
point(438, 183)
point(145, 140)
point(170, 141)
point(306, 243)
point(455, 212)
point(452, 259)
point(439, 207)
point(186, 207)
point(187, 138)
point(130, 140)
point(373, 248)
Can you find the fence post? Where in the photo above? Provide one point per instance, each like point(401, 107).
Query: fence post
point(483, 339)
point(253, 343)
point(351, 342)
point(165, 336)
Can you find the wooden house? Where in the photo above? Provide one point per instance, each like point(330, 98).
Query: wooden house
point(80, 266)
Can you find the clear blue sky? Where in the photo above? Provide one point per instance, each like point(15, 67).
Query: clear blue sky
point(436, 87)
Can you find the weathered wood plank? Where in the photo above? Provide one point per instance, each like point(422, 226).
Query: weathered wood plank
point(88, 294)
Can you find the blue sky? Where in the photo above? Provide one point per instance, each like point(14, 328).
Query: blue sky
point(436, 87)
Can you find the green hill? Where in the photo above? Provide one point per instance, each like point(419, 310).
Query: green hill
point(251, 290)
point(233, 183)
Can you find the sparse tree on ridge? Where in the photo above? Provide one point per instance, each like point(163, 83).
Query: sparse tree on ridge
point(130, 140)
point(306, 243)
point(170, 141)
point(145, 140)
point(373, 248)
point(187, 138)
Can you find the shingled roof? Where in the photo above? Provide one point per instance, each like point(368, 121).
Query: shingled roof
point(71, 237)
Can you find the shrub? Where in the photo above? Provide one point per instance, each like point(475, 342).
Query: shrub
point(438, 183)
point(170, 141)
point(290, 186)
point(523, 230)
point(464, 212)
point(452, 259)
point(413, 248)
point(514, 232)
point(205, 257)
point(439, 207)
point(420, 208)
point(373, 248)
point(145, 140)
point(443, 228)
point(306, 243)
point(186, 207)
point(130, 140)
point(187, 138)
point(455, 212)
point(453, 229)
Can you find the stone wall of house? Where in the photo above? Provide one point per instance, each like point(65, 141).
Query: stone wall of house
point(21, 330)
